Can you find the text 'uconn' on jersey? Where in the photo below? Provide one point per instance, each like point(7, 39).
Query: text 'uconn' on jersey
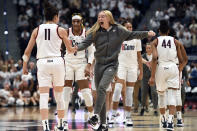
point(128, 47)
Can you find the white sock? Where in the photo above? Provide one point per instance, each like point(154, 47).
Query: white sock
point(179, 115)
point(45, 124)
point(163, 117)
point(107, 113)
point(66, 92)
point(91, 114)
point(170, 118)
point(114, 112)
point(127, 113)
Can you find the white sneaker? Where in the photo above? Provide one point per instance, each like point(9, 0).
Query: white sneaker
point(63, 128)
point(129, 121)
point(179, 123)
point(112, 120)
point(124, 120)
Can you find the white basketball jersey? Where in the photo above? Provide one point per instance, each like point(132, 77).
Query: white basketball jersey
point(128, 53)
point(75, 41)
point(166, 49)
point(48, 41)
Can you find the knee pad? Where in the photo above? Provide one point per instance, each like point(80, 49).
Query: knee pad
point(129, 96)
point(86, 93)
point(178, 98)
point(117, 92)
point(67, 93)
point(59, 100)
point(172, 97)
point(162, 100)
point(44, 98)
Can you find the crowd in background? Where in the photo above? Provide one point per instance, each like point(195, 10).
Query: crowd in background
point(30, 13)
point(18, 91)
point(182, 15)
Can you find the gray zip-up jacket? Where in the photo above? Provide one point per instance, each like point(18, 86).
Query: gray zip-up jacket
point(108, 43)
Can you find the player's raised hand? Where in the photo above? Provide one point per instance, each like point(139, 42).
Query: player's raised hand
point(151, 33)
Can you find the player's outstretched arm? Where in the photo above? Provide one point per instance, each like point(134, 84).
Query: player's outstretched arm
point(28, 50)
point(129, 35)
point(63, 34)
point(85, 43)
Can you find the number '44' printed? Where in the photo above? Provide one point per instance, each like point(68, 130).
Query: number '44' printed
point(165, 45)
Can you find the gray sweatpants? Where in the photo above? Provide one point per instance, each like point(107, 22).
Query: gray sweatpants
point(103, 77)
point(145, 91)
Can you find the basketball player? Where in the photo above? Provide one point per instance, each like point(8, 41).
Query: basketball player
point(50, 64)
point(108, 38)
point(166, 49)
point(77, 66)
point(127, 75)
point(178, 94)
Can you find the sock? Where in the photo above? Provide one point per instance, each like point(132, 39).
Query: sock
point(45, 124)
point(179, 115)
point(107, 113)
point(127, 113)
point(91, 114)
point(163, 117)
point(170, 118)
point(114, 112)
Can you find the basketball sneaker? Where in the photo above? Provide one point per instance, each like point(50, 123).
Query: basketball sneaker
point(45, 125)
point(163, 122)
point(170, 126)
point(63, 127)
point(179, 123)
point(94, 122)
point(112, 119)
point(129, 121)
point(103, 127)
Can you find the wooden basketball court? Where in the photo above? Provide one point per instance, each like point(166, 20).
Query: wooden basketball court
point(28, 119)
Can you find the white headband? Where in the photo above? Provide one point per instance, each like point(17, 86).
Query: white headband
point(76, 17)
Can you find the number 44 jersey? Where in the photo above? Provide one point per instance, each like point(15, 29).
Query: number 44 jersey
point(48, 41)
point(166, 49)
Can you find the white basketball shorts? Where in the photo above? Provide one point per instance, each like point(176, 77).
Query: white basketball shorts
point(128, 74)
point(167, 76)
point(51, 72)
point(75, 69)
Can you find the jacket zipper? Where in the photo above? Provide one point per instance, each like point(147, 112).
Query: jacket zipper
point(107, 43)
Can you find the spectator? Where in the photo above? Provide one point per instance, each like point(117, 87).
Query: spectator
point(6, 98)
point(171, 12)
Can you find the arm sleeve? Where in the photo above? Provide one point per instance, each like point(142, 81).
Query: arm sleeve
point(129, 35)
point(85, 43)
point(91, 50)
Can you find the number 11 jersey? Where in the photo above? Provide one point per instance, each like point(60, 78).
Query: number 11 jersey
point(48, 41)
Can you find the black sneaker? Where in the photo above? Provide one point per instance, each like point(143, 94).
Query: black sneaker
point(164, 123)
point(63, 127)
point(102, 128)
point(94, 122)
point(147, 111)
point(135, 110)
point(155, 113)
point(142, 112)
point(179, 123)
point(170, 126)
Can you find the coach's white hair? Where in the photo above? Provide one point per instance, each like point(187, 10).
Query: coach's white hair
point(96, 26)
